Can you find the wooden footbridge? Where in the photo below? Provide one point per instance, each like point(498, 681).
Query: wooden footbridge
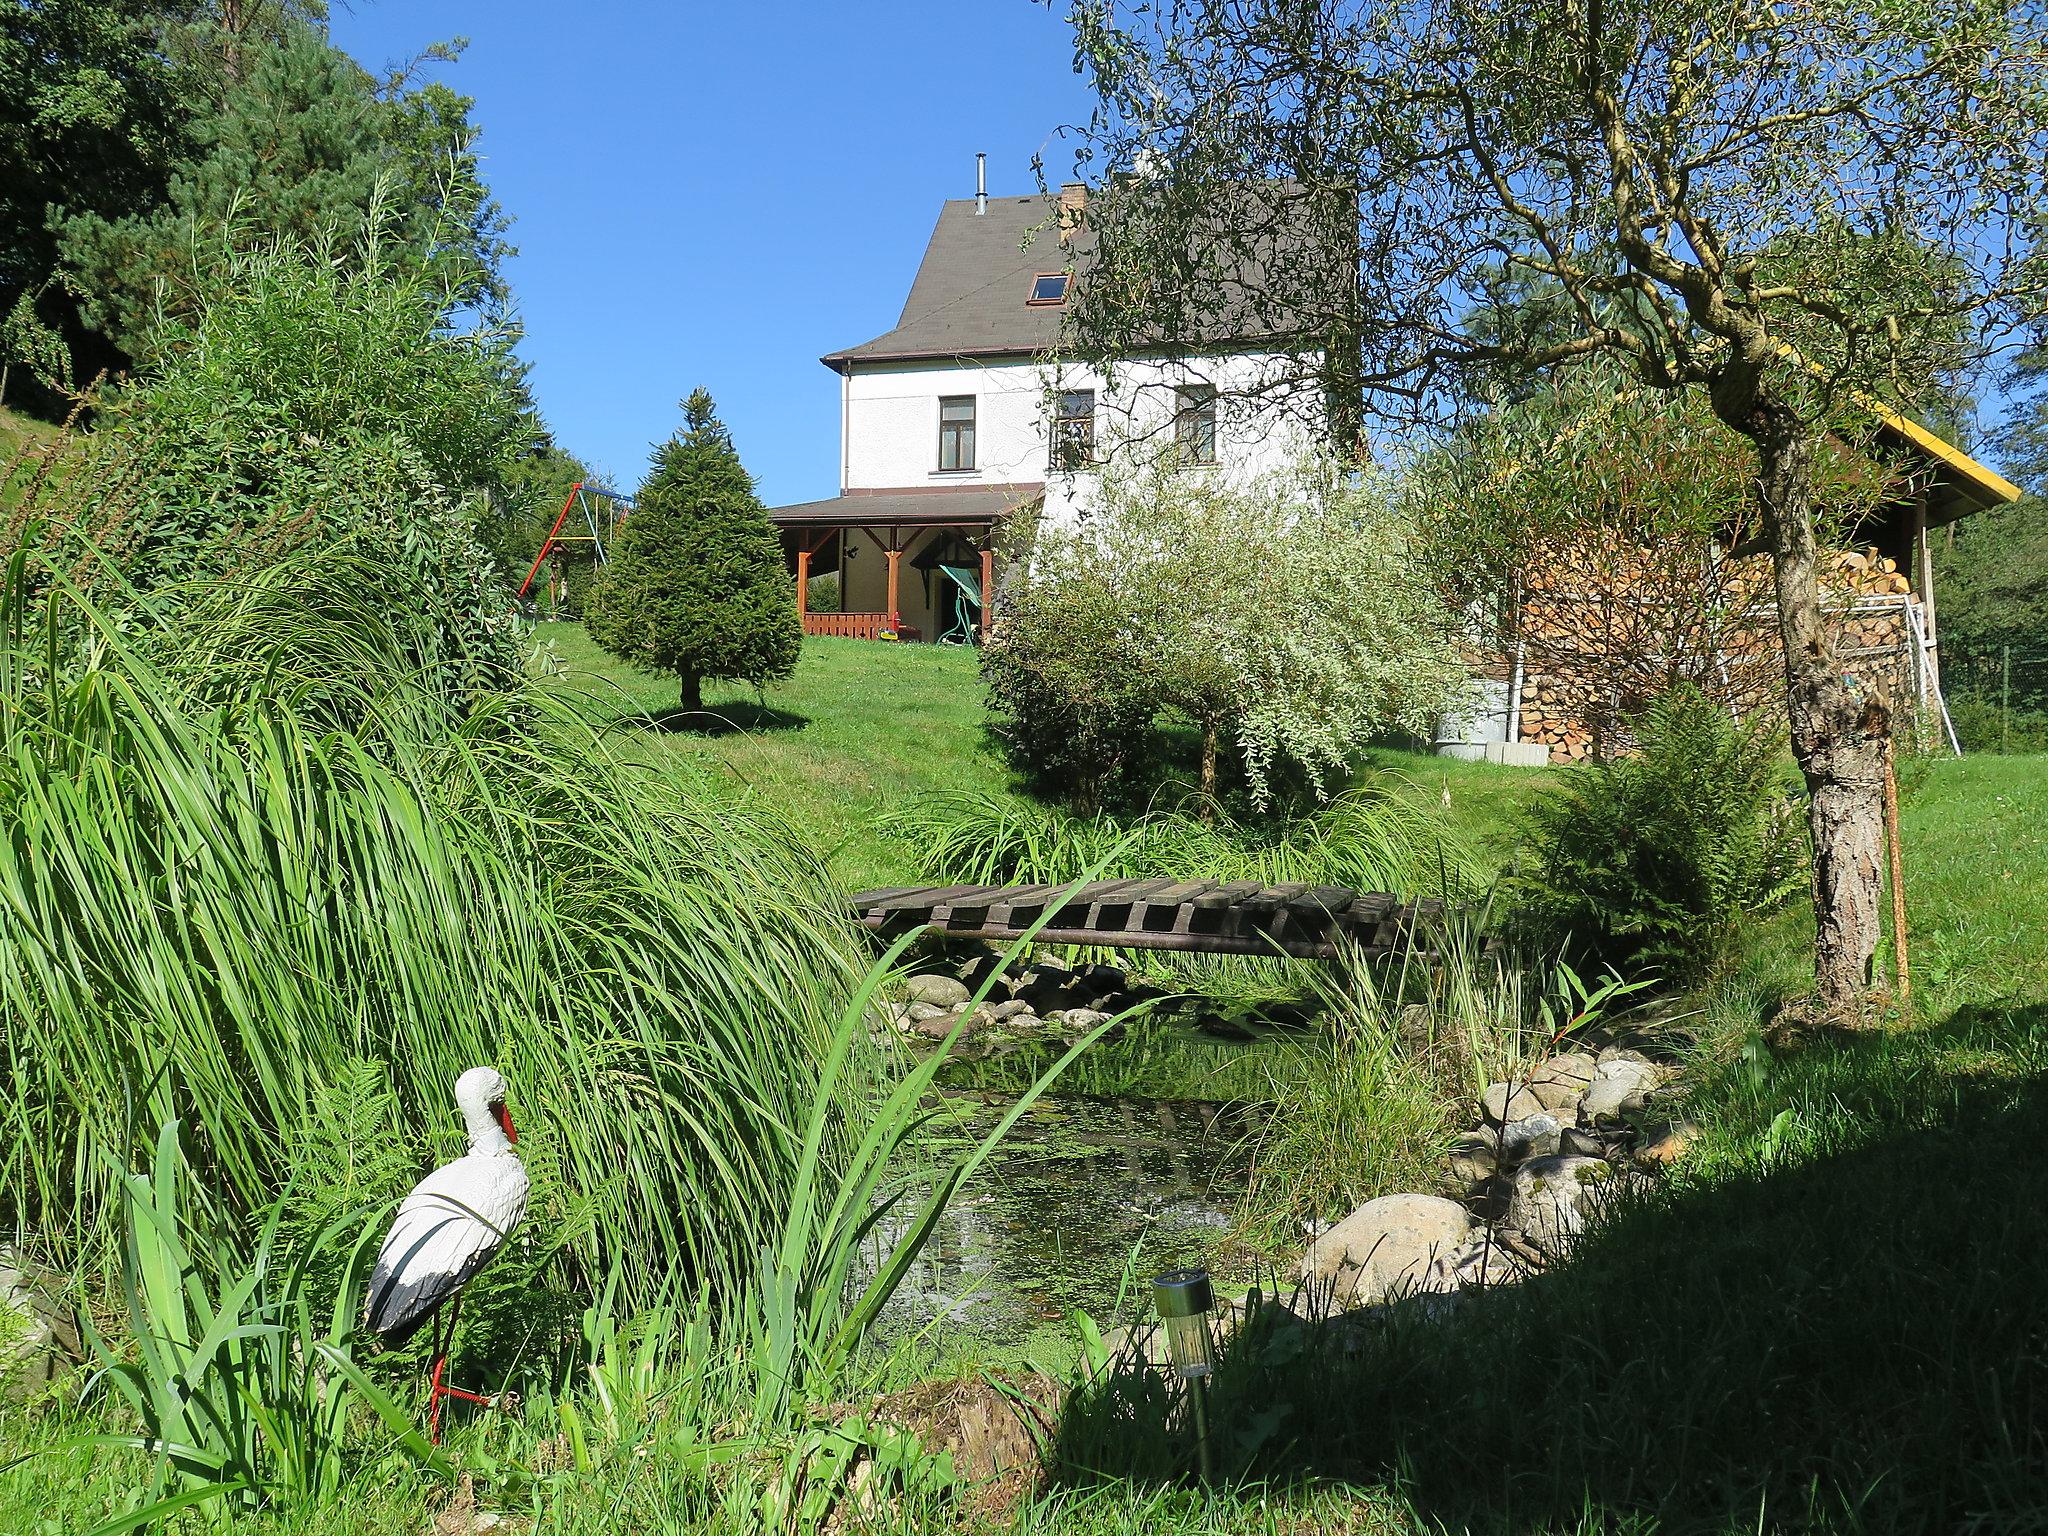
point(1239, 917)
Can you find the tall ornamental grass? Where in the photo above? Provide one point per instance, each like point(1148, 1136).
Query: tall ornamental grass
point(241, 856)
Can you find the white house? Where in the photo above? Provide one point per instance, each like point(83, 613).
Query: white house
point(960, 419)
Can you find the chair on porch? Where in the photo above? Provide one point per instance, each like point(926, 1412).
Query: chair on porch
point(962, 630)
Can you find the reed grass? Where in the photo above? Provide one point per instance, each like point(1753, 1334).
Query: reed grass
point(242, 856)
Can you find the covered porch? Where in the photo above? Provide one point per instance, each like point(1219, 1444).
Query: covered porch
point(915, 564)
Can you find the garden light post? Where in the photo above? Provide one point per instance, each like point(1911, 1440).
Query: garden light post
point(1184, 1300)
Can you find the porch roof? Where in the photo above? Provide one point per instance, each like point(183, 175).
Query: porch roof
point(910, 507)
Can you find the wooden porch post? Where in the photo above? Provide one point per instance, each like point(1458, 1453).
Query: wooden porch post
point(988, 586)
point(803, 585)
point(895, 555)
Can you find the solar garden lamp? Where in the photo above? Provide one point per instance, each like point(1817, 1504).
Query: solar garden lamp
point(1185, 1302)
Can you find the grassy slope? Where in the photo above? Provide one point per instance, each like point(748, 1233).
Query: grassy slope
point(863, 726)
point(859, 727)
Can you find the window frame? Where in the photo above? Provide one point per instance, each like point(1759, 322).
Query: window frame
point(1066, 280)
point(1194, 404)
point(954, 430)
point(1066, 439)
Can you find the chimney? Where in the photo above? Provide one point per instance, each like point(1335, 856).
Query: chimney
point(980, 185)
point(1073, 203)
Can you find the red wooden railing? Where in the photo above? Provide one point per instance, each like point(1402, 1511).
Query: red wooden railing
point(846, 626)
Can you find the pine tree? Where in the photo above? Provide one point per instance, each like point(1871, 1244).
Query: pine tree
point(695, 584)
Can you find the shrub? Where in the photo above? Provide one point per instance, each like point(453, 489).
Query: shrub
point(695, 584)
point(1650, 862)
point(318, 397)
point(1286, 616)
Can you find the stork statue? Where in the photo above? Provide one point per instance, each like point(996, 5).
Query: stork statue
point(450, 1226)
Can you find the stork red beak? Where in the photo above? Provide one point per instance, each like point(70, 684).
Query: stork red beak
point(505, 1119)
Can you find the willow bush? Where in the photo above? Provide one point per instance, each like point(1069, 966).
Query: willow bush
point(243, 855)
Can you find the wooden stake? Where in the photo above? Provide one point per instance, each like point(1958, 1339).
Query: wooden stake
point(1891, 837)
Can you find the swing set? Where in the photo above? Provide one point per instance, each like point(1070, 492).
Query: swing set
point(598, 512)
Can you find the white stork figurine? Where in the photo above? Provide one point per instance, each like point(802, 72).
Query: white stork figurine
point(450, 1226)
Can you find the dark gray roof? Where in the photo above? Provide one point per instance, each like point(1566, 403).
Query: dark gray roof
point(983, 504)
point(970, 296)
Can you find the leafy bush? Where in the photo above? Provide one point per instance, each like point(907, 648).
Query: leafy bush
point(1286, 616)
point(319, 396)
point(695, 583)
point(1650, 862)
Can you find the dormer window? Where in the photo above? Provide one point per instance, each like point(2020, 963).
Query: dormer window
point(1049, 288)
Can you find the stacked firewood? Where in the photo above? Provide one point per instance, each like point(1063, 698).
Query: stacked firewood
point(1867, 573)
point(1603, 631)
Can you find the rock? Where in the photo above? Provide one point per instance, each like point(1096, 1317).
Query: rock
point(1050, 993)
point(1100, 979)
point(917, 1013)
point(1483, 1261)
point(1622, 1053)
point(1217, 1027)
point(1003, 1012)
point(1394, 1246)
point(1472, 1161)
point(1582, 1143)
point(1415, 1028)
point(1534, 1136)
point(1555, 1197)
point(1508, 1101)
point(938, 1026)
point(1288, 1015)
point(1561, 1082)
point(1665, 1143)
point(936, 991)
point(1620, 1088)
point(1079, 1021)
point(39, 1338)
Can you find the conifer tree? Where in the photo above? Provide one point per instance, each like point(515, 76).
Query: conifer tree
point(695, 584)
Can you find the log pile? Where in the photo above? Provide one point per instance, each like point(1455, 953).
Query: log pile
point(1867, 573)
point(1605, 629)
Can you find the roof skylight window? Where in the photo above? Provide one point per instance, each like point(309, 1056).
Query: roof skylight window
point(1048, 288)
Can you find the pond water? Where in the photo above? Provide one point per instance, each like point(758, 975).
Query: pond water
point(1081, 1190)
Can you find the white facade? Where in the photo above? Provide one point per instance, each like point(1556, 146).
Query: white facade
point(891, 430)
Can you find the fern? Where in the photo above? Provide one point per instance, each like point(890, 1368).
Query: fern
point(1651, 863)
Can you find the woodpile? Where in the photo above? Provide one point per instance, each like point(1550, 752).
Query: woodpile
point(1867, 573)
point(1604, 628)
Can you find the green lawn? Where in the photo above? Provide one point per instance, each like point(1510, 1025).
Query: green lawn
point(864, 726)
point(861, 726)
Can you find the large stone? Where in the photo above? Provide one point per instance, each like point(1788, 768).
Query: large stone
point(1101, 979)
point(1555, 1198)
point(39, 1338)
point(936, 990)
point(1620, 1089)
point(1508, 1101)
point(1532, 1136)
point(1561, 1082)
point(1472, 1160)
point(1004, 1012)
point(1394, 1246)
point(1666, 1143)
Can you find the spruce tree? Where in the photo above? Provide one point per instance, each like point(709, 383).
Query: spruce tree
point(695, 583)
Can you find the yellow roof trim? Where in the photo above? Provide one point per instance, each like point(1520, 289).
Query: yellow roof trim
point(1940, 448)
point(1933, 444)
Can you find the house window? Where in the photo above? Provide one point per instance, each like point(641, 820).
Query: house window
point(956, 432)
point(1194, 424)
point(1048, 288)
point(1073, 435)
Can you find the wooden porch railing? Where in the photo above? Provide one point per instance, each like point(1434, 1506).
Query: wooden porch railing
point(846, 626)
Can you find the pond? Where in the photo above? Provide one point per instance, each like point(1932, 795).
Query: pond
point(1082, 1190)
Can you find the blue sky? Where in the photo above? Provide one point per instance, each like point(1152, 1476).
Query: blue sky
point(717, 194)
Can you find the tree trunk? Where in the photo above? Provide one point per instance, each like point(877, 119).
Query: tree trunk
point(693, 693)
point(1839, 724)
